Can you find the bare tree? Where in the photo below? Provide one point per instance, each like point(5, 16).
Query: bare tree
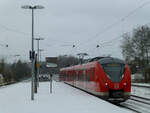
point(135, 47)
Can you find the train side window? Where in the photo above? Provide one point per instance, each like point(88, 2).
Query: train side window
point(76, 75)
point(88, 76)
point(80, 76)
point(73, 75)
point(84, 75)
point(93, 71)
point(92, 74)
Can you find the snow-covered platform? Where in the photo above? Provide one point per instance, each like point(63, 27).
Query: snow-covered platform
point(16, 98)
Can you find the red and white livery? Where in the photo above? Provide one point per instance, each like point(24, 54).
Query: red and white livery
point(107, 77)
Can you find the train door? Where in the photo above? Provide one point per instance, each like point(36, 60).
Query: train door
point(84, 78)
point(73, 77)
point(76, 78)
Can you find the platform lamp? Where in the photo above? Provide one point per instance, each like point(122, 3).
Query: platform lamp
point(32, 51)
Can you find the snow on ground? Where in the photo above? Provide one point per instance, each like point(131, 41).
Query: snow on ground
point(16, 98)
point(141, 84)
point(140, 91)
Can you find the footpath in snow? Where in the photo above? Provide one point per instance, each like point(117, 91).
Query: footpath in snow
point(16, 98)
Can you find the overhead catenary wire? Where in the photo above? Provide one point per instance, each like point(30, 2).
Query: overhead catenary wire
point(117, 38)
point(97, 34)
point(111, 42)
point(27, 34)
point(107, 28)
point(108, 43)
point(13, 30)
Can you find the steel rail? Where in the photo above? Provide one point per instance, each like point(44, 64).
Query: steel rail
point(140, 86)
point(142, 99)
point(132, 106)
point(117, 104)
point(126, 107)
point(124, 104)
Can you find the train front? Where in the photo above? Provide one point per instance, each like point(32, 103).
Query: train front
point(116, 79)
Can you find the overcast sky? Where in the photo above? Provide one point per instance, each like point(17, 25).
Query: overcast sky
point(63, 23)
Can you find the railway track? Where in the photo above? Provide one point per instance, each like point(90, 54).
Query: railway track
point(141, 86)
point(140, 99)
point(137, 104)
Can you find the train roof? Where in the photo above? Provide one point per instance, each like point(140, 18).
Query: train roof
point(81, 66)
point(92, 63)
point(103, 60)
point(106, 60)
point(96, 59)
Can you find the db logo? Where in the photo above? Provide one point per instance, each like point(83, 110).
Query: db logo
point(116, 86)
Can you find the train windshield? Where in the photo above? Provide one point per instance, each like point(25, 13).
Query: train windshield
point(114, 71)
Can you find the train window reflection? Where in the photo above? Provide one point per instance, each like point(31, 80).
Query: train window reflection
point(114, 71)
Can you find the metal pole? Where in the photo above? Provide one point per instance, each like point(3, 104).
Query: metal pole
point(38, 59)
point(35, 73)
point(40, 56)
point(38, 64)
point(32, 84)
point(50, 83)
point(32, 50)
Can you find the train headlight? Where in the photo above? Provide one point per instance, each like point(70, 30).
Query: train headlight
point(124, 83)
point(106, 84)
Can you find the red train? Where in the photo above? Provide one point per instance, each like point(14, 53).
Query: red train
point(106, 77)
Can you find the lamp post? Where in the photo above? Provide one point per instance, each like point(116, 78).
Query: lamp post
point(38, 59)
point(32, 45)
